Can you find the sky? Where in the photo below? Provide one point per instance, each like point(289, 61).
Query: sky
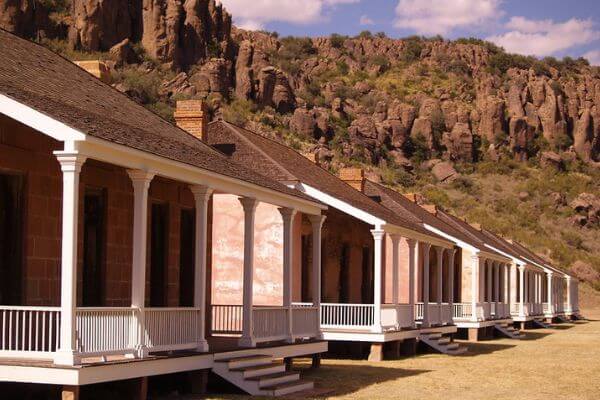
point(532, 27)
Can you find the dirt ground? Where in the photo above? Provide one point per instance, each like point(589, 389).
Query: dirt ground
point(559, 363)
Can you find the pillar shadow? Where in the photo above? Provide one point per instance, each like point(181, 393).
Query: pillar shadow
point(535, 335)
point(355, 377)
point(481, 348)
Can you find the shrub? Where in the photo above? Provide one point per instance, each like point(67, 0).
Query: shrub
point(365, 35)
point(412, 49)
point(337, 41)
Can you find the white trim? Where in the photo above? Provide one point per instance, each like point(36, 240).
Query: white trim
point(38, 121)
point(130, 158)
point(517, 261)
point(458, 242)
point(340, 205)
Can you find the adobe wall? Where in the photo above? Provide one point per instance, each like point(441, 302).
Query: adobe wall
point(29, 153)
point(467, 274)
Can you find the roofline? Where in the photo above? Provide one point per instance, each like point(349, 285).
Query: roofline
point(93, 147)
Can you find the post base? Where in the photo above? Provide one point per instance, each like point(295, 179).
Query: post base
point(247, 342)
point(202, 346)
point(66, 358)
point(376, 353)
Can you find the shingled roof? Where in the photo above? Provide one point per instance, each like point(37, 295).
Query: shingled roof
point(36, 77)
point(409, 209)
point(278, 161)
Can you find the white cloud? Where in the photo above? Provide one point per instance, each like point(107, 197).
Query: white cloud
point(429, 17)
point(545, 37)
point(593, 56)
point(365, 20)
point(255, 14)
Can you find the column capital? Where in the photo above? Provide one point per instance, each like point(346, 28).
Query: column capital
point(201, 192)
point(427, 246)
point(70, 161)
point(287, 213)
point(439, 249)
point(317, 220)
point(140, 176)
point(377, 234)
point(411, 243)
point(248, 203)
point(549, 273)
point(395, 237)
point(521, 267)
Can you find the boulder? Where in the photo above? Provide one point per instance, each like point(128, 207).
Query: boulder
point(521, 137)
point(180, 84)
point(423, 130)
point(123, 53)
point(267, 80)
point(587, 206)
point(583, 136)
point(459, 143)
point(491, 125)
point(283, 98)
point(550, 159)
point(444, 172)
point(244, 73)
point(97, 25)
point(303, 123)
point(523, 196)
point(162, 21)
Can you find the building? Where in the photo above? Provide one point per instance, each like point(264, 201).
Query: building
point(105, 217)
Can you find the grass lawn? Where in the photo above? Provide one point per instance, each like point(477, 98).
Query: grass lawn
point(560, 363)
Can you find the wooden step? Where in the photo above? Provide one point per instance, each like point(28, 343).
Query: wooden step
point(276, 379)
point(433, 336)
point(444, 340)
point(246, 361)
point(260, 370)
point(452, 346)
point(289, 387)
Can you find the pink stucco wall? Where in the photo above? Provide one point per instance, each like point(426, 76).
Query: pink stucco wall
point(228, 252)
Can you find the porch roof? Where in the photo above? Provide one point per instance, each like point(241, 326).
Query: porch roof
point(281, 162)
point(413, 211)
point(52, 85)
point(506, 246)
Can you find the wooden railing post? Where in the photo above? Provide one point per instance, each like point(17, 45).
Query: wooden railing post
point(426, 248)
point(249, 205)
point(288, 214)
point(70, 163)
point(201, 198)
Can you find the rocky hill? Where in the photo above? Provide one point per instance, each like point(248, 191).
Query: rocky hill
point(509, 138)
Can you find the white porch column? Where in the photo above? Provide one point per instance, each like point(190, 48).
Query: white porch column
point(70, 164)
point(141, 183)
point(411, 276)
point(497, 286)
point(451, 254)
point(201, 197)
point(490, 271)
point(475, 285)
point(439, 251)
point(506, 290)
point(512, 294)
point(249, 205)
point(426, 248)
point(377, 265)
point(569, 307)
point(288, 215)
point(549, 290)
point(395, 268)
point(316, 222)
point(521, 290)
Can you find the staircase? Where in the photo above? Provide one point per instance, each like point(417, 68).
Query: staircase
point(564, 319)
point(509, 331)
point(260, 375)
point(442, 344)
point(542, 324)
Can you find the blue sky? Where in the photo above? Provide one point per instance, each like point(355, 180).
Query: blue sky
point(537, 27)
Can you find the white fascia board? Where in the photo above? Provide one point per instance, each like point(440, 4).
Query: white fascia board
point(341, 205)
point(131, 158)
point(517, 261)
point(451, 238)
point(38, 121)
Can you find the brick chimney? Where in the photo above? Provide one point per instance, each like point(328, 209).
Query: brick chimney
point(355, 177)
point(96, 68)
point(192, 116)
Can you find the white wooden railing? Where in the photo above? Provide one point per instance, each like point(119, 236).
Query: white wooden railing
point(347, 316)
point(493, 310)
point(463, 311)
point(227, 318)
point(438, 314)
point(270, 323)
point(397, 316)
point(305, 321)
point(29, 332)
point(168, 329)
point(105, 331)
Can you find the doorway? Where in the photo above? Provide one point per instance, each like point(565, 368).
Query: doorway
point(159, 252)
point(94, 245)
point(11, 239)
point(187, 237)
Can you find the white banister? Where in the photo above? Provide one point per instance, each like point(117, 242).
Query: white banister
point(336, 315)
point(175, 328)
point(107, 331)
point(226, 318)
point(249, 205)
point(29, 332)
point(270, 323)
